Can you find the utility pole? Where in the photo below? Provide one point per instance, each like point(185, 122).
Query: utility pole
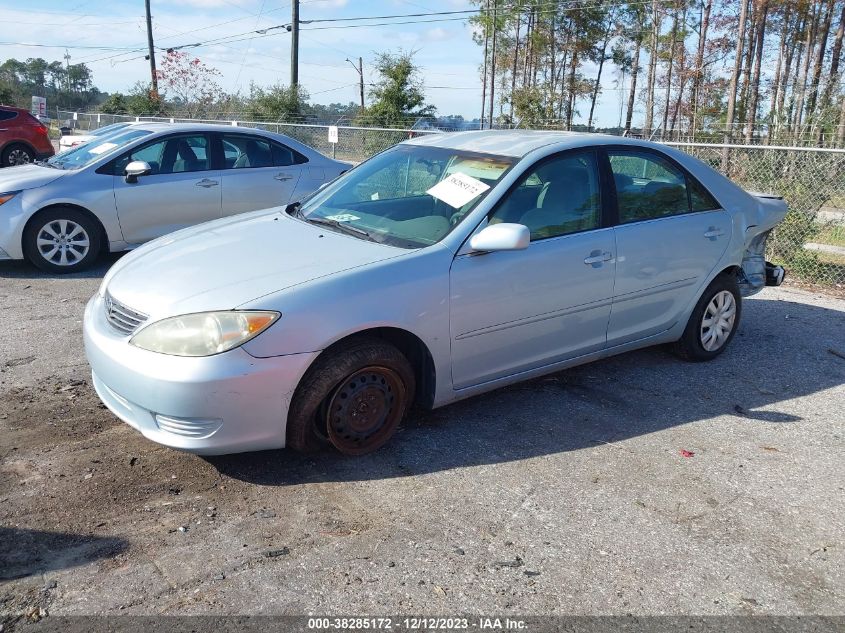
point(294, 43)
point(484, 74)
point(67, 71)
point(360, 69)
point(152, 54)
point(493, 61)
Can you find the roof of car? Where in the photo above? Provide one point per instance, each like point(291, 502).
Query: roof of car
point(516, 143)
point(160, 126)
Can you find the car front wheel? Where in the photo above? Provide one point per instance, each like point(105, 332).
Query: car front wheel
point(354, 398)
point(713, 322)
point(62, 241)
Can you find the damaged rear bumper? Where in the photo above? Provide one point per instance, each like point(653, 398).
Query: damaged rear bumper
point(756, 273)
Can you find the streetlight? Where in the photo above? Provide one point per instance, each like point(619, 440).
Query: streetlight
point(360, 70)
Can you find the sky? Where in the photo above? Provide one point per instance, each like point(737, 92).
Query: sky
point(448, 58)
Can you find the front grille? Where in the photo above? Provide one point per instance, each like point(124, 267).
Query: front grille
point(122, 318)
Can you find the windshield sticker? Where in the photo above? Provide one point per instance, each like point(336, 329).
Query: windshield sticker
point(343, 217)
point(457, 189)
point(374, 196)
point(102, 147)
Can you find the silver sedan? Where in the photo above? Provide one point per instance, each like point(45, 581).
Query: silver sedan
point(444, 267)
point(143, 181)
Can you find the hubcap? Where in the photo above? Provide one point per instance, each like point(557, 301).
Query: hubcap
point(63, 242)
point(718, 321)
point(18, 157)
point(365, 410)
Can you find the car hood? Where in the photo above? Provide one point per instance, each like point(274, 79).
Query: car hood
point(27, 177)
point(223, 264)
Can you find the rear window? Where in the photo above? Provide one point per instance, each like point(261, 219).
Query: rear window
point(6, 115)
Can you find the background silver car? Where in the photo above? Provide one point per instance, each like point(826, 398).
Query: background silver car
point(146, 180)
point(444, 267)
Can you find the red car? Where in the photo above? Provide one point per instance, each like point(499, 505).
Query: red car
point(23, 138)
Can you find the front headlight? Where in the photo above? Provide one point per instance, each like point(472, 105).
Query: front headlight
point(5, 197)
point(203, 333)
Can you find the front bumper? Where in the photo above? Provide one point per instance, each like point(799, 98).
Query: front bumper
point(228, 403)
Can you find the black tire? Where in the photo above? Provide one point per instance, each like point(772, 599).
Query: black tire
point(76, 257)
point(17, 154)
point(691, 345)
point(378, 370)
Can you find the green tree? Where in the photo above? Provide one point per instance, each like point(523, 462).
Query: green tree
point(277, 103)
point(141, 100)
point(115, 104)
point(398, 96)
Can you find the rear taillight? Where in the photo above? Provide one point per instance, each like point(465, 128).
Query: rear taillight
point(43, 129)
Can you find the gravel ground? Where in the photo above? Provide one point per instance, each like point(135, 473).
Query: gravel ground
point(569, 494)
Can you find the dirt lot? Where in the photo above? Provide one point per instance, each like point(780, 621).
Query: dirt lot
point(566, 495)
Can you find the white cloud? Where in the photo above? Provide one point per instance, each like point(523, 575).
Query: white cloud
point(438, 34)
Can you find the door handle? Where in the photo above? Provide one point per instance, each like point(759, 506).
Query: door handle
point(205, 182)
point(713, 232)
point(596, 258)
point(283, 177)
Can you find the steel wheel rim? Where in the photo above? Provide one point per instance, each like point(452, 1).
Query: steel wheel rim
point(718, 321)
point(365, 409)
point(63, 242)
point(18, 157)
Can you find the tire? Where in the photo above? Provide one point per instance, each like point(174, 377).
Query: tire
point(62, 240)
point(353, 397)
point(722, 303)
point(17, 154)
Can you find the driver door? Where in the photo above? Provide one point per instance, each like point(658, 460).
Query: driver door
point(180, 190)
point(514, 311)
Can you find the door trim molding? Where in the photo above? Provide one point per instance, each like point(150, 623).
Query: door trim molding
point(535, 319)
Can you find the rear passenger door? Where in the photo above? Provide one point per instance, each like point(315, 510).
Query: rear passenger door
point(258, 173)
point(670, 235)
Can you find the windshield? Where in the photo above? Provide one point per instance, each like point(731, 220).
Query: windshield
point(409, 196)
point(83, 155)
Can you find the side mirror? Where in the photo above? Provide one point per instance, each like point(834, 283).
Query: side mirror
point(501, 237)
point(135, 169)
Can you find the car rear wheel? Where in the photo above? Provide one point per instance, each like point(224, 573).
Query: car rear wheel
point(62, 240)
point(17, 154)
point(713, 322)
point(353, 398)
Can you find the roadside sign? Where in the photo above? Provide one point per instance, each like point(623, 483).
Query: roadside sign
point(39, 106)
point(332, 134)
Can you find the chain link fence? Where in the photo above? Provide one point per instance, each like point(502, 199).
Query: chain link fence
point(810, 242)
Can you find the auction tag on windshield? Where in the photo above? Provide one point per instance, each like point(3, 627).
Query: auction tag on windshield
point(457, 189)
point(102, 147)
point(343, 217)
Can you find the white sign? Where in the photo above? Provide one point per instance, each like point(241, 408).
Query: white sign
point(39, 106)
point(343, 217)
point(457, 189)
point(102, 147)
point(332, 134)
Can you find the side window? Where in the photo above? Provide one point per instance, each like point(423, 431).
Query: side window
point(558, 197)
point(7, 115)
point(169, 156)
point(647, 186)
point(700, 198)
point(245, 152)
point(284, 156)
point(150, 154)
